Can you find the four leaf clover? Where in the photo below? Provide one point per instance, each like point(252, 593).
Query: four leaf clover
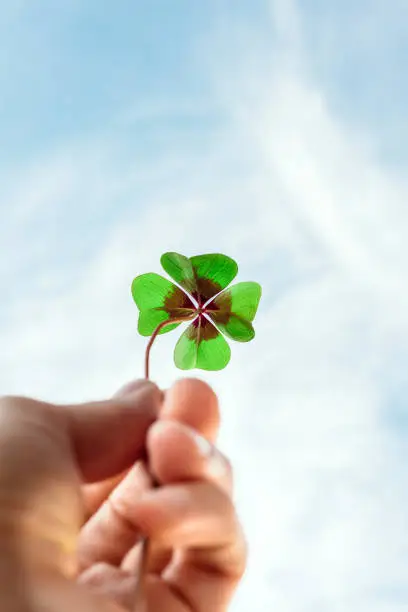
point(201, 297)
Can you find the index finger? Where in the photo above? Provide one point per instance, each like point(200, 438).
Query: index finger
point(192, 402)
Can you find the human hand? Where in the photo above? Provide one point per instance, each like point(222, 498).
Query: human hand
point(68, 546)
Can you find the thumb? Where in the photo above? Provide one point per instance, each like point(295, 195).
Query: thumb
point(108, 436)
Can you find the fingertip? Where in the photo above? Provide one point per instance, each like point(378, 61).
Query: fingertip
point(179, 453)
point(135, 386)
point(168, 435)
point(193, 402)
point(147, 394)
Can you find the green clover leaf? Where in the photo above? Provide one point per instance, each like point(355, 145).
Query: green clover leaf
point(201, 296)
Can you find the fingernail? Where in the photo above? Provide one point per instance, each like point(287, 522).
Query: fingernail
point(215, 464)
point(204, 447)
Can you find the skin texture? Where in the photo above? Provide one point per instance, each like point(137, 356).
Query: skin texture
point(75, 500)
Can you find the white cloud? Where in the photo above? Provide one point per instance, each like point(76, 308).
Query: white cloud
point(301, 201)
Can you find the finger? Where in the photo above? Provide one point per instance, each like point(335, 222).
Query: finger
point(212, 563)
point(109, 436)
point(109, 533)
point(199, 521)
point(178, 453)
point(159, 557)
point(96, 493)
point(194, 403)
point(111, 583)
point(115, 584)
point(186, 515)
point(130, 387)
point(51, 591)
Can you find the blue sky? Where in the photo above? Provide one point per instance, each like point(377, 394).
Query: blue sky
point(70, 67)
point(274, 132)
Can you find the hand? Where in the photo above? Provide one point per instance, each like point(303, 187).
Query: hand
point(66, 545)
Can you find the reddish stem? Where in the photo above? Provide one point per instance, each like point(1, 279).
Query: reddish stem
point(153, 338)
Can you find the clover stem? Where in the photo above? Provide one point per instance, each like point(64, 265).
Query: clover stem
point(153, 338)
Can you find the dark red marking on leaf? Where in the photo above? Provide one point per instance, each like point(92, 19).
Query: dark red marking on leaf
point(197, 298)
point(179, 304)
point(206, 289)
point(207, 330)
point(220, 311)
point(176, 300)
